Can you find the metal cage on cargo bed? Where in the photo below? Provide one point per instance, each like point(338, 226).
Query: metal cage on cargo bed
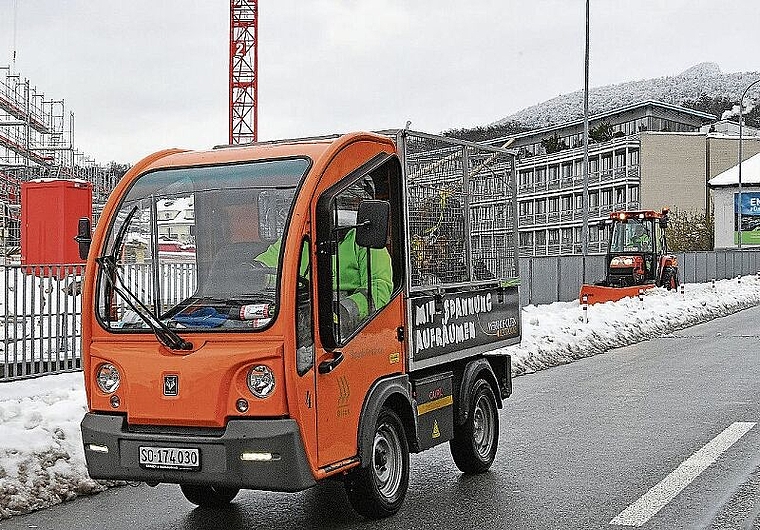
point(461, 199)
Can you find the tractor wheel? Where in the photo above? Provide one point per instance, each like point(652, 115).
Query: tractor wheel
point(378, 490)
point(475, 442)
point(670, 279)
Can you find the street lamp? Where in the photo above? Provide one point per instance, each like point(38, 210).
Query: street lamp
point(584, 230)
point(741, 120)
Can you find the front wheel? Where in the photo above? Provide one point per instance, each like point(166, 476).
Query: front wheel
point(208, 496)
point(378, 489)
point(475, 442)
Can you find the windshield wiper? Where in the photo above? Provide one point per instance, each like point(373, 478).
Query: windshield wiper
point(164, 334)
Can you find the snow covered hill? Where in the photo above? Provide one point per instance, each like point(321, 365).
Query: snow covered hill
point(704, 78)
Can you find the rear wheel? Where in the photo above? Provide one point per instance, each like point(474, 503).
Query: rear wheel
point(378, 490)
point(209, 496)
point(475, 442)
point(670, 278)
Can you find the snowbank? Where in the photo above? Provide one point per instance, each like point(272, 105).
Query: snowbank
point(41, 455)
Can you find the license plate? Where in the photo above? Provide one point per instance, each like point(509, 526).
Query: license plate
point(170, 458)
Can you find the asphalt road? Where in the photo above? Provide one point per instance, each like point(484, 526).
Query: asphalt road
point(579, 444)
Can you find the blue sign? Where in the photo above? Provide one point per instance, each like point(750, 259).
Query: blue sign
point(749, 215)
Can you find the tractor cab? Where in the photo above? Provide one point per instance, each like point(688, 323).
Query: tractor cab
point(637, 239)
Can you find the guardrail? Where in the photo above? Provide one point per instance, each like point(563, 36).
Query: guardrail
point(41, 304)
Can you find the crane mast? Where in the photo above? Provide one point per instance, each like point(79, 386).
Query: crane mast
point(243, 74)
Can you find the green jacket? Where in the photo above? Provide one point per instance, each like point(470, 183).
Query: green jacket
point(353, 271)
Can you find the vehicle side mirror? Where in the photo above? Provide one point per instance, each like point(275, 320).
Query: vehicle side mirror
point(372, 223)
point(84, 237)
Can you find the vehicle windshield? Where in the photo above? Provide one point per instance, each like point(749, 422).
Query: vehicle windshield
point(633, 235)
point(199, 248)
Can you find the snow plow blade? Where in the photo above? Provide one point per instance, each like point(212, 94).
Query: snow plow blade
point(597, 294)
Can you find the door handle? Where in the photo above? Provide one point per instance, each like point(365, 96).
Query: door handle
point(325, 367)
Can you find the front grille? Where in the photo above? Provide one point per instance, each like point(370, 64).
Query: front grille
point(216, 432)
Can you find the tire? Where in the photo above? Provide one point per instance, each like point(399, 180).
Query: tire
point(378, 489)
point(670, 279)
point(208, 496)
point(475, 442)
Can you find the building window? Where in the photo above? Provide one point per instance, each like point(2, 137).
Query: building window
point(593, 199)
point(620, 159)
point(540, 175)
point(633, 193)
point(540, 206)
point(554, 204)
point(567, 170)
point(567, 203)
point(526, 239)
point(541, 238)
point(553, 173)
point(579, 201)
point(554, 236)
point(606, 196)
point(567, 235)
point(593, 165)
point(526, 177)
point(620, 195)
point(606, 162)
point(633, 158)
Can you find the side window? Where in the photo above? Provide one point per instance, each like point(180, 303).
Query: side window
point(362, 277)
point(304, 312)
point(355, 281)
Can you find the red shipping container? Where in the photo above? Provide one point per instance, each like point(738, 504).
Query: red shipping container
point(50, 212)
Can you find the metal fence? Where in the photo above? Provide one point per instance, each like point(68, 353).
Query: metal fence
point(41, 305)
point(42, 308)
point(41, 320)
point(548, 279)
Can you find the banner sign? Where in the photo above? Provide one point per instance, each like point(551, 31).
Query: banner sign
point(455, 321)
point(749, 216)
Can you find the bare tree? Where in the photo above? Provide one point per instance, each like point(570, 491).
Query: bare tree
point(689, 231)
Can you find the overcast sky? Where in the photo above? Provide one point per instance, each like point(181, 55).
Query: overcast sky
point(142, 75)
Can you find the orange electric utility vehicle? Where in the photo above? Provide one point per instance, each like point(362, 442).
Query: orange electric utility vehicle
point(335, 304)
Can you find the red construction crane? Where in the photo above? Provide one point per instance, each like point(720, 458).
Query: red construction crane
point(243, 76)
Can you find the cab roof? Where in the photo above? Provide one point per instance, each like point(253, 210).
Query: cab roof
point(639, 214)
point(314, 148)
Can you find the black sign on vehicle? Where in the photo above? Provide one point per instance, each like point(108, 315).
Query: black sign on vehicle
point(456, 321)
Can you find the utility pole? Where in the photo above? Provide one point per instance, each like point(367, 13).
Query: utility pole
point(584, 235)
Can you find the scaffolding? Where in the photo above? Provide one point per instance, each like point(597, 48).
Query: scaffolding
point(37, 141)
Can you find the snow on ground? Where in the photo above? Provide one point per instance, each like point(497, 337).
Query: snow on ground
point(41, 455)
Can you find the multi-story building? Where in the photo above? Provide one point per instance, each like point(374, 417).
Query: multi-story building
point(653, 155)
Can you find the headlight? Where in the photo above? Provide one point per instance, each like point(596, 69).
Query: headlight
point(108, 378)
point(261, 381)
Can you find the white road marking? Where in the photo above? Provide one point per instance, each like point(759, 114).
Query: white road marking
point(661, 494)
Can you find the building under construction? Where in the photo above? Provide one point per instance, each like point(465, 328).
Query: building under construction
point(37, 141)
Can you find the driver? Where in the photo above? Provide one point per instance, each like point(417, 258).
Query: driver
point(641, 238)
point(352, 260)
